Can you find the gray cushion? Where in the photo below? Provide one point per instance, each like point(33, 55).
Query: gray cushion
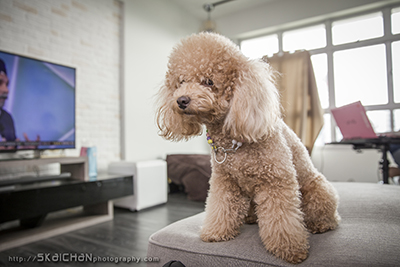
point(368, 235)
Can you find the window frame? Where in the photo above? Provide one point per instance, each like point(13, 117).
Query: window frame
point(387, 39)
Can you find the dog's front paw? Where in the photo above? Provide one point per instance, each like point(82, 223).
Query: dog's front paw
point(215, 236)
point(323, 223)
point(293, 255)
point(290, 247)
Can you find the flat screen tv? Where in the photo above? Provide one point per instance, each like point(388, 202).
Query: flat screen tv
point(37, 104)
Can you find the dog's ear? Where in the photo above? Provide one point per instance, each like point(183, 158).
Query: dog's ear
point(171, 125)
point(255, 107)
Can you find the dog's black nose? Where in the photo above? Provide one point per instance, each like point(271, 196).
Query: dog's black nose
point(183, 102)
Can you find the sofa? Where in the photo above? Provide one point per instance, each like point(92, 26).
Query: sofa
point(191, 172)
point(368, 235)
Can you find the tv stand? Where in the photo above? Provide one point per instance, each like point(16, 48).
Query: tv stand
point(52, 207)
point(76, 166)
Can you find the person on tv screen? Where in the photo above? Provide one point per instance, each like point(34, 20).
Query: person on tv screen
point(7, 128)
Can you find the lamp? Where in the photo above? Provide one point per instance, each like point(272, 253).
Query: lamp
point(209, 25)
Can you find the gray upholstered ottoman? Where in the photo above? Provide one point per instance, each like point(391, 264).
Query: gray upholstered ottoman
point(369, 235)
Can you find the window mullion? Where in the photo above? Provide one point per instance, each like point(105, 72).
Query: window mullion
point(387, 24)
point(280, 41)
point(331, 83)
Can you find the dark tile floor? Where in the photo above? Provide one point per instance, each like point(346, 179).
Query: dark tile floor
point(126, 236)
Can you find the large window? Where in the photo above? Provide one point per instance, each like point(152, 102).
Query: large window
point(397, 119)
point(306, 38)
point(320, 66)
point(396, 70)
point(357, 28)
point(360, 74)
point(396, 20)
point(355, 58)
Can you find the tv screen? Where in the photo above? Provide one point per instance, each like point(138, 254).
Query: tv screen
point(37, 104)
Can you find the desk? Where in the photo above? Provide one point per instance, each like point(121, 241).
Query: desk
point(381, 143)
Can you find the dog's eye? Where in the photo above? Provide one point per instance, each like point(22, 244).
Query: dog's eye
point(182, 81)
point(208, 82)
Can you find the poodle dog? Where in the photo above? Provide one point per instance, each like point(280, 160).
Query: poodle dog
point(261, 172)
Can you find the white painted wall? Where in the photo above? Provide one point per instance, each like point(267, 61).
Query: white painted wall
point(151, 29)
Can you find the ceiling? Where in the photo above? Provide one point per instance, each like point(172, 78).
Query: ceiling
point(195, 7)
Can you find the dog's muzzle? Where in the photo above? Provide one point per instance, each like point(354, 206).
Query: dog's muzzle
point(183, 102)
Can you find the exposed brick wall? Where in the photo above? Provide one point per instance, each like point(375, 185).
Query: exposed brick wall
point(80, 34)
